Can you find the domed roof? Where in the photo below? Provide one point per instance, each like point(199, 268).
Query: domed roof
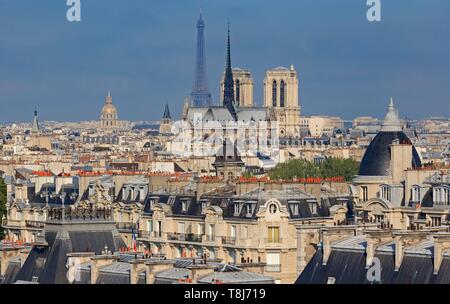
point(377, 158)
point(109, 108)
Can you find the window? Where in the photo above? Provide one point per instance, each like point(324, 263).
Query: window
point(245, 232)
point(415, 194)
point(171, 200)
point(365, 195)
point(211, 232)
point(159, 231)
point(181, 227)
point(294, 208)
point(149, 225)
point(272, 208)
point(237, 210)
point(313, 208)
point(282, 93)
point(379, 218)
point(201, 229)
point(273, 234)
point(386, 193)
point(250, 209)
point(436, 221)
point(238, 92)
point(184, 206)
point(233, 231)
point(274, 93)
point(273, 262)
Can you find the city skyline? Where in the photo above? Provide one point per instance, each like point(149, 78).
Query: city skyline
point(64, 70)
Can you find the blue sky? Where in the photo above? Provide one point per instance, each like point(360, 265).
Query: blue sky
point(144, 51)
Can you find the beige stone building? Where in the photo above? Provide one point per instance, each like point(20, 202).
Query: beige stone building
point(393, 189)
point(109, 116)
point(281, 94)
point(243, 87)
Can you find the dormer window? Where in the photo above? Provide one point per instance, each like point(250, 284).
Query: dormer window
point(294, 208)
point(250, 209)
point(171, 200)
point(184, 206)
point(205, 205)
point(313, 208)
point(273, 208)
point(237, 208)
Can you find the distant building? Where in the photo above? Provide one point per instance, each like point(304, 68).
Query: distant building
point(109, 117)
point(166, 122)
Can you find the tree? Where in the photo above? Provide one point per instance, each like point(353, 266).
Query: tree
point(330, 167)
point(2, 203)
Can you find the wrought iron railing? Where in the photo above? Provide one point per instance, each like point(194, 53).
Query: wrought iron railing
point(273, 268)
point(35, 224)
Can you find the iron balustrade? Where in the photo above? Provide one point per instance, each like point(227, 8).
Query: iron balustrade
point(35, 224)
point(273, 268)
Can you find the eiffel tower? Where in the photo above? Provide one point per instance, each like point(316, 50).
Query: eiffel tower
point(200, 96)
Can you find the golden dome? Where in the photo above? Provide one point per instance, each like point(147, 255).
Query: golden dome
point(109, 109)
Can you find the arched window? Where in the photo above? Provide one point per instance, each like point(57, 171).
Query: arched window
point(274, 93)
point(282, 93)
point(238, 92)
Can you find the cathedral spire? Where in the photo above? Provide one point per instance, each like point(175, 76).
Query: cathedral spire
point(200, 95)
point(36, 128)
point(167, 112)
point(228, 92)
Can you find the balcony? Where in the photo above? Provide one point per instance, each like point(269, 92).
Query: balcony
point(185, 237)
point(125, 226)
point(273, 268)
point(228, 240)
point(35, 224)
point(210, 238)
point(144, 234)
point(274, 240)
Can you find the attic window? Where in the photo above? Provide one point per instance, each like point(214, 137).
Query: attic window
point(250, 209)
point(273, 208)
point(237, 210)
point(294, 208)
point(313, 208)
point(171, 200)
point(205, 204)
point(184, 206)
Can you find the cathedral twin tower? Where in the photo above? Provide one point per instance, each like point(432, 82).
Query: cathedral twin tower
point(236, 88)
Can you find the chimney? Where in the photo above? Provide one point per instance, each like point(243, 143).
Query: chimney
point(441, 243)
point(155, 267)
point(6, 255)
point(403, 239)
point(332, 234)
point(137, 266)
point(199, 271)
point(401, 158)
point(98, 262)
point(76, 259)
point(374, 239)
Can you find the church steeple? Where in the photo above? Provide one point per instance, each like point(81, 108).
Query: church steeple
point(36, 128)
point(228, 92)
point(167, 112)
